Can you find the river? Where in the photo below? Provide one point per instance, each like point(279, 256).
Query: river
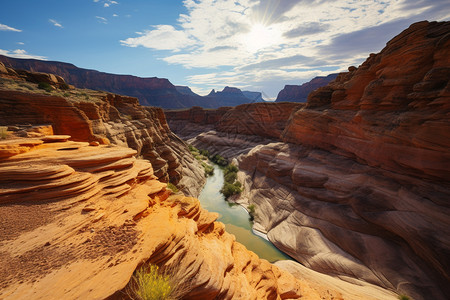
point(236, 219)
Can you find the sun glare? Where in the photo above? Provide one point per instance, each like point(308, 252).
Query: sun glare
point(260, 37)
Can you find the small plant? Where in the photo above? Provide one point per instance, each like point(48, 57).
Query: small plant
point(45, 86)
point(149, 283)
point(3, 132)
point(403, 297)
point(172, 187)
point(27, 86)
point(209, 170)
point(65, 86)
point(252, 211)
point(66, 95)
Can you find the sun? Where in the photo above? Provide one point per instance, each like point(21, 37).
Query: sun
point(260, 37)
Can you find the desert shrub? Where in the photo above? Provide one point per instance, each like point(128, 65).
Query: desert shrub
point(221, 161)
point(149, 283)
point(66, 95)
point(65, 86)
point(403, 297)
point(230, 177)
point(45, 86)
point(3, 132)
point(209, 170)
point(204, 152)
point(229, 189)
point(27, 86)
point(172, 187)
point(252, 211)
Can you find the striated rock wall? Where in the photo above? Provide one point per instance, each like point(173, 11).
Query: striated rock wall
point(95, 213)
point(359, 187)
point(231, 131)
point(356, 185)
point(384, 113)
point(103, 117)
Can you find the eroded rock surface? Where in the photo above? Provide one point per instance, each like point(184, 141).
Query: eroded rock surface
point(77, 220)
point(357, 184)
point(102, 117)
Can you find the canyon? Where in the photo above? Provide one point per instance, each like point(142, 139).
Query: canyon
point(86, 199)
point(354, 183)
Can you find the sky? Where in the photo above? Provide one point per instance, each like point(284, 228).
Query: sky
point(255, 45)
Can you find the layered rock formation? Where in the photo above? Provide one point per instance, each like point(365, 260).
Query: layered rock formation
point(105, 118)
point(357, 183)
point(152, 91)
point(94, 213)
point(299, 93)
point(231, 131)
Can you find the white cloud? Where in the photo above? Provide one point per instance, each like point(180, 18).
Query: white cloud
point(106, 3)
point(102, 20)
point(163, 37)
point(115, 15)
point(20, 53)
point(55, 23)
point(20, 43)
point(280, 39)
point(4, 27)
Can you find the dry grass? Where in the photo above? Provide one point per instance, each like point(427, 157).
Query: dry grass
point(151, 283)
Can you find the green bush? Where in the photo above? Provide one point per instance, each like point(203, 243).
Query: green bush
point(230, 189)
point(209, 170)
point(252, 211)
point(221, 161)
point(403, 297)
point(230, 185)
point(45, 86)
point(172, 187)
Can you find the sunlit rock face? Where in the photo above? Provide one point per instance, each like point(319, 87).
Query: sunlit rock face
point(357, 184)
point(85, 217)
point(105, 118)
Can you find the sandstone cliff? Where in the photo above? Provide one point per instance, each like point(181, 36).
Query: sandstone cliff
point(299, 93)
point(94, 213)
point(357, 183)
point(101, 117)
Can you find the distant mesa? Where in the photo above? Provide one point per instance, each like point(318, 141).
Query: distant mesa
point(299, 93)
point(151, 91)
point(232, 96)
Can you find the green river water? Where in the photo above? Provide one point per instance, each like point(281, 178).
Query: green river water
point(236, 219)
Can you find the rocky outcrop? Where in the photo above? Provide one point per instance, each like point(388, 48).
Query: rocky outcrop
point(299, 93)
point(357, 183)
point(95, 213)
point(105, 118)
